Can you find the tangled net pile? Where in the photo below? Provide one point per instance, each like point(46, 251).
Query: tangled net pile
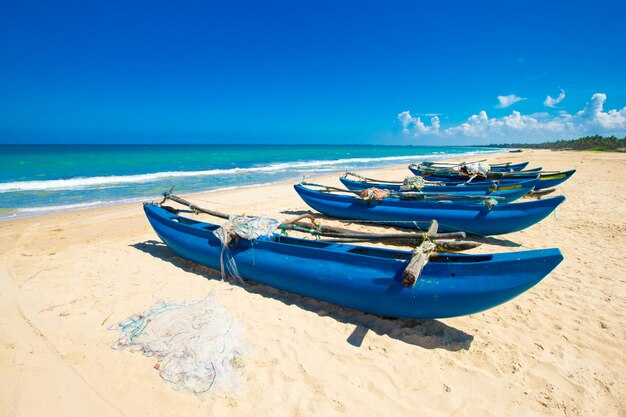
point(197, 344)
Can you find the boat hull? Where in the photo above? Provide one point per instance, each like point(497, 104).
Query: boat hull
point(508, 192)
point(509, 167)
point(366, 279)
point(505, 167)
point(471, 218)
point(546, 180)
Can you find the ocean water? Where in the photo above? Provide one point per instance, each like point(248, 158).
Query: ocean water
point(36, 179)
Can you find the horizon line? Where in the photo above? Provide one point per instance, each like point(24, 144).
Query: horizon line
point(244, 144)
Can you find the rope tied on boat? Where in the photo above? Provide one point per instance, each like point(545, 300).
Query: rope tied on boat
point(490, 202)
point(495, 185)
point(374, 194)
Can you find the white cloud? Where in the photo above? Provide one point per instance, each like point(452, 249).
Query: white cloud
point(415, 124)
point(434, 121)
point(594, 114)
point(517, 127)
point(506, 101)
point(551, 102)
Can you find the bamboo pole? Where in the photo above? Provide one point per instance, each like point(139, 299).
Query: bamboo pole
point(325, 231)
point(366, 179)
point(197, 209)
point(408, 194)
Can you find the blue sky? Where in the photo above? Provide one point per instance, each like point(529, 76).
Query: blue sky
point(314, 72)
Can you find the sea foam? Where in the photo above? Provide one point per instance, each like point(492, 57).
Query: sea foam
point(104, 181)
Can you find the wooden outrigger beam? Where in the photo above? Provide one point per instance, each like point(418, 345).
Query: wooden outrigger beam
point(444, 241)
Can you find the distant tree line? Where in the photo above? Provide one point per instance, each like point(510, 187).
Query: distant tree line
point(588, 143)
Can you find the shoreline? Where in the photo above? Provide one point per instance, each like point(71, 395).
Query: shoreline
point(27, 212)
point(555, 350)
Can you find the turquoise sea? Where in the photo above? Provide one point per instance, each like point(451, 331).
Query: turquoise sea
point(36, 179)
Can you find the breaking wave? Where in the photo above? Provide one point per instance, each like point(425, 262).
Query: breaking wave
point(104, 181)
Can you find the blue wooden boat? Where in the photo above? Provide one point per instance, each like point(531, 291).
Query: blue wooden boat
point(363, 278)
point(496, 170)
point(459, 180)
point(546, 179)
point(523, 171)
point(503, 167)
point(552, 179)
point(508, 167)
point(508, 193)
point(477, 219)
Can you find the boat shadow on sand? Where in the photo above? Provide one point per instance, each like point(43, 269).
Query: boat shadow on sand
point(428, 334)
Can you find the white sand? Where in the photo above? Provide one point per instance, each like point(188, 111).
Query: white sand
point(557, 350)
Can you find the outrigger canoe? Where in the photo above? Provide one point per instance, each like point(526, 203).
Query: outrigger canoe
point(508, 193)
point(479, 219)
point(546, 179)
point(504, 167)
point(363, 278)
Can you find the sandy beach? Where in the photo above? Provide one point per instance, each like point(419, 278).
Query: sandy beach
point(557, 350)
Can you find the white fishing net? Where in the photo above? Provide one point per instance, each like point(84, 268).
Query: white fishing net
point(373, 193)
point(246, 227)
point(249, 228)
point(412, 183)
point(476, 168)
point(198, 345)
